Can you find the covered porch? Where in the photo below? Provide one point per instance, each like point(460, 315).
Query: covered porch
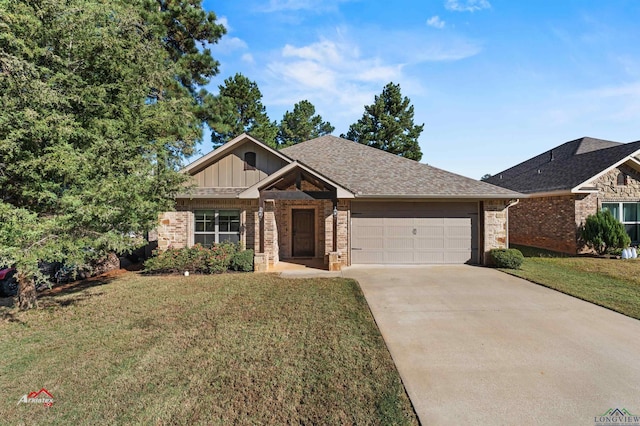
point(302, 219)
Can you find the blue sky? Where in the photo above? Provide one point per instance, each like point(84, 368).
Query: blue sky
point(494, 81)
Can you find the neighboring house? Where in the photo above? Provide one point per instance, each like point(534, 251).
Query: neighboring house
point(568, 183)
point(337, 202)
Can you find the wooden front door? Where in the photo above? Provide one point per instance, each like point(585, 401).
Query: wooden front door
point(303, 244)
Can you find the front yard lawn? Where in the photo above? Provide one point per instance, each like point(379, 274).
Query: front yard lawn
point(611, 283)
point(223, 349)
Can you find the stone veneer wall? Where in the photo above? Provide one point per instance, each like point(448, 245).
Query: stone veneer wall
point(495, 226)
point(271, 238)
point(608, 189)
point(344, 212)
point(176, 228)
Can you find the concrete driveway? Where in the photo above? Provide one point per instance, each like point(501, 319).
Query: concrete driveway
point(476, 346)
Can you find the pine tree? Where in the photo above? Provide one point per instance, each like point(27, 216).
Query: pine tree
point(238, 109)
point(301, 125)
point(98, 110)
point(387, 124)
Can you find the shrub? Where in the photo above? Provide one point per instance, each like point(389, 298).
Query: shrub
point(242, 261)
point(219, 258)
point(507, 258)
point(603, 232)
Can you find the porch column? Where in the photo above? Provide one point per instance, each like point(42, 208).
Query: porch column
point(271, 249)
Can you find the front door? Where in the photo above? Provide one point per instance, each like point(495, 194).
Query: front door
point(303, 244)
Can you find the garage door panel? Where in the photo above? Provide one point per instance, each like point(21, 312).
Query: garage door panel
point(414, 233)
point(429, 243)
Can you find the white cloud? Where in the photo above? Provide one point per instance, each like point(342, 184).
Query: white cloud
point(298, 5)
point(341, 74)
point(224, 22)
point(436, 22)
point(248, 58)
point(466, 5)
point(228, 45)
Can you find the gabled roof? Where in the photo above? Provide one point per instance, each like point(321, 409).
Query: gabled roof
point(217, 153)
point(254, 191)
point(373, 173)
point(566, 167)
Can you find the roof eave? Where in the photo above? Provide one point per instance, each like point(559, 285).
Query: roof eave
point(227, 147)
point(443, 196)
point(578, 188)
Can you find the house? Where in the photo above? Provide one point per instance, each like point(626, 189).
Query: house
point(568, 183)
point(336, 202)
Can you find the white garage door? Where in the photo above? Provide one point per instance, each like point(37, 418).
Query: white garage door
point(414, 233)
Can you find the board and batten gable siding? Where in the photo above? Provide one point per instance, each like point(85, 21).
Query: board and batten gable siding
point(229, 171)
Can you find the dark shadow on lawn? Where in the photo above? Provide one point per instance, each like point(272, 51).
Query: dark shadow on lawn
point(56, 297)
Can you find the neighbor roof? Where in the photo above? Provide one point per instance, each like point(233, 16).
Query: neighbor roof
point(565, 167)
point(370, 172)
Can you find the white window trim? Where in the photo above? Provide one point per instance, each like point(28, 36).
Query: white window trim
point(216, 227)
point(621, 211)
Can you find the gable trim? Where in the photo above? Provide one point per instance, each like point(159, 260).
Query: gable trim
point(253, 192)
point(217, 153)
point(578, 189)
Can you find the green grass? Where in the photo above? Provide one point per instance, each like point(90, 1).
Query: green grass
point(233, 348)
point(611, 283)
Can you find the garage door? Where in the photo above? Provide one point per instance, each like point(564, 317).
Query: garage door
point(414, 233)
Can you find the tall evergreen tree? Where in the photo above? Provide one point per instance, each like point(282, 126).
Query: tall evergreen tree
point(238, 109)
point(387, 124)
point(98, 109)
point(301, 125)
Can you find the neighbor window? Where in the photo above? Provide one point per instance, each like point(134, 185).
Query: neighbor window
point(249, 160)
point(216, 226)
point(629, 215)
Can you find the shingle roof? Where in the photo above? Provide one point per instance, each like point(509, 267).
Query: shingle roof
point(370, 172)
point(564, 167)
point(211, 193)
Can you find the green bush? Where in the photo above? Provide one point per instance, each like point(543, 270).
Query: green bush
point(242, 261)
point(217, 259)
point(507, 258)
point(603, 232)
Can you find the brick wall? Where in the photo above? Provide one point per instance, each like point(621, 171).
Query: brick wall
point(176, 229)
point(544, 222)
point(284, 217)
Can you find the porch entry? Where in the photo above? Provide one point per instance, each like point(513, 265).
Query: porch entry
point(303, 235)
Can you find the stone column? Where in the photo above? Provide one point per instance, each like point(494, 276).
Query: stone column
point(271, 249)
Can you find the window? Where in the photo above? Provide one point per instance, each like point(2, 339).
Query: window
point(629, 215)
point(216, 226)
point(622, 179)
point(249, 160)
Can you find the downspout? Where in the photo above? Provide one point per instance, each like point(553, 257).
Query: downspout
point(510, 204)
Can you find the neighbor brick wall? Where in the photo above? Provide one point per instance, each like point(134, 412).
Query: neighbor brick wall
point(554, 223)
point(544, 222)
